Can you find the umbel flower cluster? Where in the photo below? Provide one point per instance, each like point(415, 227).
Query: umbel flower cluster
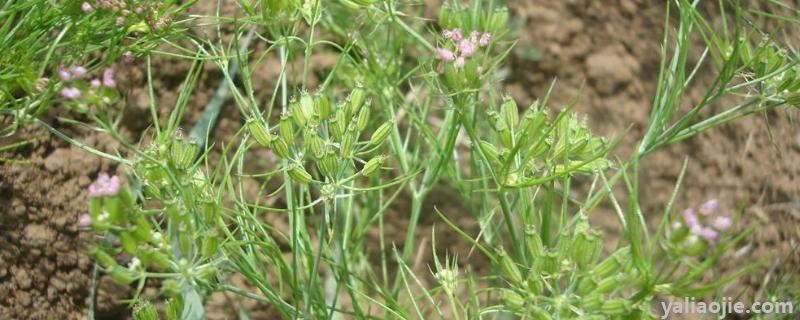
point(458, 48)
point(313, 132)
point(699, 229)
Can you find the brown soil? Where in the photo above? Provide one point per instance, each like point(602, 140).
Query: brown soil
point(44, 273)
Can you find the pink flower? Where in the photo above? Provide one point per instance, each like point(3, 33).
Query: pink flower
point(104, 186)
point(84, 221)
point(709, 207)
point(467, 48)
point(86, 7)
point(70, 93)
point(445, 54)
point(457, 35)
point(722, 223)
point(447, 34)
point(95, 83)
point(706, 233)
point(108, 78)
point(473, 36)
point(79, 72)
point(459, 62)
point(690, 218)
point(485, 39)
point(64, 75)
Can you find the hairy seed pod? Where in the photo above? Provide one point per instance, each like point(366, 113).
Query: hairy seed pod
point(380, 134)
point(285, 129)
point(322, 106)
point(299, 174)
point(363, 119)
point(372, 165)
point(122, 275)
point(260, 132)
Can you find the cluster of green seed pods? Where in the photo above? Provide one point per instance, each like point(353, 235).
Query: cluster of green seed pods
point(584, 286)
point(531, 147)
point(315, 134)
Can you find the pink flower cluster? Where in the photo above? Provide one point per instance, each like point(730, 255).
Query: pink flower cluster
point(695, 222)
point(79, 73)
point(104, 186)
point(463, 47)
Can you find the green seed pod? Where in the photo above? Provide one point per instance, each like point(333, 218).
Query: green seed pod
point(348, 142)
point(548, 263)
point(209, 211)
point(122, 275)
point(592, 302)
point(586, 285)
point(210, 245)
point(299, 174)
point(128, 242)
point(159, 259)
point(184, 240)
point(586, 249)
point(372, 165)
point(615, 307)
point(113, 206)
point(307, 105)
point(490, 151)
point(280, 148)
point(508, 268)
point(142, 231)
point(337, 126)
point(504, 133)
point(510, 112)
point(534, 284)
point(103, 258)
point(145, 311)
point(317, 146)
point(471, 74)
point(613, 264)
point(208, 275)
point(356, 100)
point(380, 134)
point(533, 242)
point(363, 119)
point(322, 106)
point(171, 288)
point(260, 132)
point(536, 313)
point(512, 299)
point(285, 129)
point(608, 284)
point(327, 165)
point(298, 116)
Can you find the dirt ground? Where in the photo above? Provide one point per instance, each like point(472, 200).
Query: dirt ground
point(614, 48)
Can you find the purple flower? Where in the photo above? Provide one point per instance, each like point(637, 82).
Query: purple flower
point(485, 39)
point(86, 7)
point(473, 36)
point(722, 223)
point(79, 72)
point(467, 48)
point(70, 93)
point(64, 75)
point(445, 54)
point(457, 35)
point(84, 221)
point(108, 78)
point(709, 207)
point(459, 62)
point(690, 218)
point(447, 34)
point(104, 186)
point(706, 233)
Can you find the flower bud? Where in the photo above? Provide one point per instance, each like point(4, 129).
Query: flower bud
point(122, 275)
point(363, 119)
point(299, 174)
point(380, 134)
point(372, 165)
point(260, 132)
